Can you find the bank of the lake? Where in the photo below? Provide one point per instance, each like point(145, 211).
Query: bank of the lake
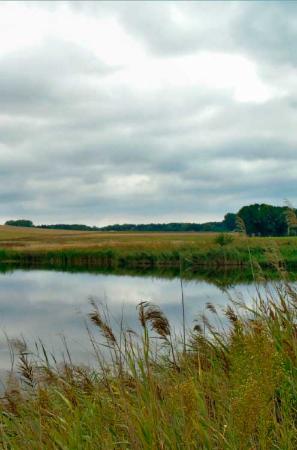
point(161, 250)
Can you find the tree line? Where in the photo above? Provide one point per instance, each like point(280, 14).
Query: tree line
point(258, 219)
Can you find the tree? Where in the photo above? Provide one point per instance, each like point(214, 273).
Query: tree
point(264, 220)
point(229, 221)
point(20, 223)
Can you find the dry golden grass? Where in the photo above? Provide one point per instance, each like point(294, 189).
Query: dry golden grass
point(19, 238)
point(28, 238)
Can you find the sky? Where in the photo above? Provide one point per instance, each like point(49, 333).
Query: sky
point(116, 112)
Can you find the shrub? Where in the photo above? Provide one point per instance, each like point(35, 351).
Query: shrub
point(224, 239)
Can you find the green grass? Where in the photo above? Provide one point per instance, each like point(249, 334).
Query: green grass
point(229, 388)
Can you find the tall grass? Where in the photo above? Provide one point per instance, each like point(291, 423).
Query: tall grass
point(233, 386)
point(60, 247)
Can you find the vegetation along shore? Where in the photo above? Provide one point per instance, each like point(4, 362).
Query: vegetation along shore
point(141, 250)
point(263, 229)
point(231, 384)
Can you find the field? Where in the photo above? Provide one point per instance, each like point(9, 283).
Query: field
point(141, 249)
point(35, 239)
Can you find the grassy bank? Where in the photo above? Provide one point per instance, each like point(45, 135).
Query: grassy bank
point(60, 247)
point(232, 388)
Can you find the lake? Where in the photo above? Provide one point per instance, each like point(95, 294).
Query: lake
point(47, 305)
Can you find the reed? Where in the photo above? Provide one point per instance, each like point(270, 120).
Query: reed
point(233, 386)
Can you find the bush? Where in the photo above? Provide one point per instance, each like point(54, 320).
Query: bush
point(224, 239)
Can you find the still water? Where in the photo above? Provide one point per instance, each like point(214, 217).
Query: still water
point(47, 305)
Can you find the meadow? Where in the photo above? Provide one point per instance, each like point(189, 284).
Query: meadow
point(116, 249)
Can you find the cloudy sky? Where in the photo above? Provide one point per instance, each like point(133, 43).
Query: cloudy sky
point(146, 111)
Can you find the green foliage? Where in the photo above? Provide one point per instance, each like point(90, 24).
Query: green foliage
point(20, 223)
point(77, 227)
point(168, 227)
point(229, 222)
point(224, 239)
point(264, 220)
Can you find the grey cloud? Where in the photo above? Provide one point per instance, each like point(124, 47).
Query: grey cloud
point(68, 133)
point(36, 80)
point(266, 31)
point(165, 33)
point(168, 28)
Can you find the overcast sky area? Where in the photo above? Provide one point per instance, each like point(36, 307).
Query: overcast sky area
point(146, 111)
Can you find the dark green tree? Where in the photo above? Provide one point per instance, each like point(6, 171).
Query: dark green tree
point(264, 220)
point(20, 223)
point(229, 221)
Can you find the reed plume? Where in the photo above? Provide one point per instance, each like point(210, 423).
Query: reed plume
point(105, 329)
point(153, 315)
point(240, 225)
point(290, 216)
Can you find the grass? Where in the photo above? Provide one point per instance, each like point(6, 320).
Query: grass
point(61, 247)
point(233, 385)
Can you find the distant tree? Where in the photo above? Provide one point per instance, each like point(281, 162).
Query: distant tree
point(256, 219)
point(20, 223)
point(229, 221)
point(61, 226)
point(264, 220)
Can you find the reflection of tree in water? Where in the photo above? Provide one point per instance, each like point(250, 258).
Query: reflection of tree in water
point(223, 278)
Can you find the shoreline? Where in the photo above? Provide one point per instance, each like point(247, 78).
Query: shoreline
point(218, 258)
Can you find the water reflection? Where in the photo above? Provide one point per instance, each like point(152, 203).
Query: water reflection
point(46, 304)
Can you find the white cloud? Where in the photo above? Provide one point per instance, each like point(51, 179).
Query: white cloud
point(219, 71)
